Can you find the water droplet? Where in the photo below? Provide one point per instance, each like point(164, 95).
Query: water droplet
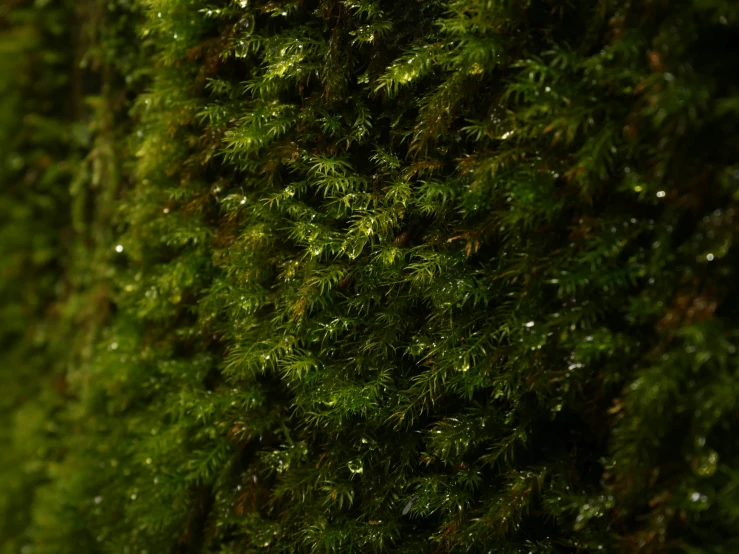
point(119, 248)
point(661, 194)
point(709, 257)
point(530, 324)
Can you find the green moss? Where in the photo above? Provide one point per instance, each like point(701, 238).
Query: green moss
point(374, 276)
